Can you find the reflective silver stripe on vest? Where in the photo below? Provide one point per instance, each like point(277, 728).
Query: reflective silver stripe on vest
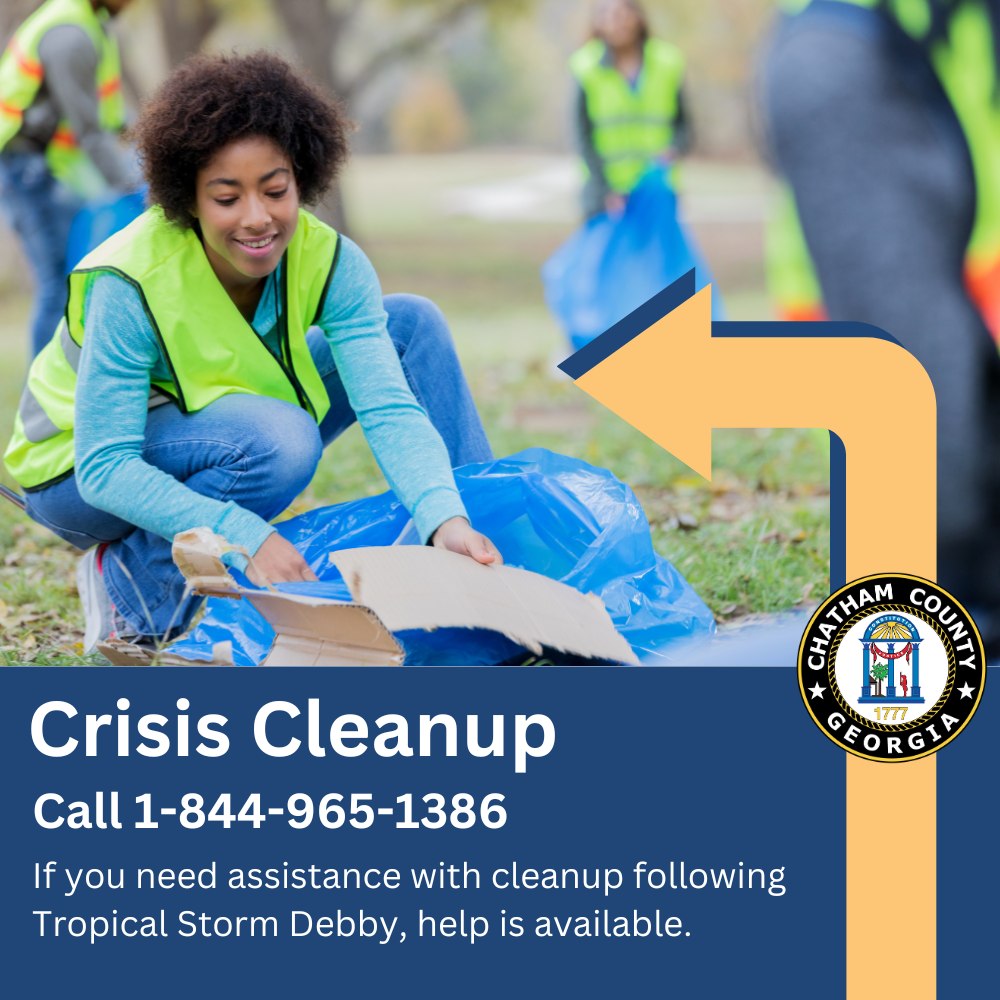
point(70, 347)
point(614, 120)
point(37, 425)
point(629, 154)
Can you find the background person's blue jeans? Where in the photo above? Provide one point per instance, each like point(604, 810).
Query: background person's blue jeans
point(41, 211)
point(260, 453)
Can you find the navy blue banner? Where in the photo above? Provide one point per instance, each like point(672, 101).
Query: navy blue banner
point(968, 882)
point(677, 832)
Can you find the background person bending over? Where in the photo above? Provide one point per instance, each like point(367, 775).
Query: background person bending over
point(629, 105)
point(884, 117)
point(61, 110)
point(218, 343)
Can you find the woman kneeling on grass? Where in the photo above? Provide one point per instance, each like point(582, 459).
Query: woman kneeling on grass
point(212, 349)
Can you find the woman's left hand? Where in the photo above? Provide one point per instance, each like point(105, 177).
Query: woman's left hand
point(457, 535)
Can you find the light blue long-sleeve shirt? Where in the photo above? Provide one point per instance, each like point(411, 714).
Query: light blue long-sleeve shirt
point(121, 357)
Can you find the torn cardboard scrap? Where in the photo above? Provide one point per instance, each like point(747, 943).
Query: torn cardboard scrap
point(405, 587)
point(417, 586)
point(310, 631)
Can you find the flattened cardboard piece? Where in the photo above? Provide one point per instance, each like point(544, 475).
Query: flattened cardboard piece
point(404, 587)
point(420, 587)
point(309, 631)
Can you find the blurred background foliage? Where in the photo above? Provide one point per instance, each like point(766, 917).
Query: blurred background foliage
point(503, 61)
point(443, 76)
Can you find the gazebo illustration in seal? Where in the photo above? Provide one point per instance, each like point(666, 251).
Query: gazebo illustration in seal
point(887, 639)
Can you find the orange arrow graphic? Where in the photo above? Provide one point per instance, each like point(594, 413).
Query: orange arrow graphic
point(674, 381)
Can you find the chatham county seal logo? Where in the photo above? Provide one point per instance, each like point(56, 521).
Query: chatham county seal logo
point(891, 667)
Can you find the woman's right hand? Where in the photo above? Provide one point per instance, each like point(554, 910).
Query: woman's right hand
point(278, 561)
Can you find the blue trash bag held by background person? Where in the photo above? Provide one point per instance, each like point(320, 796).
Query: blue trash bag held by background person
point(613, 264)
point(98, 220)
point(546, 512)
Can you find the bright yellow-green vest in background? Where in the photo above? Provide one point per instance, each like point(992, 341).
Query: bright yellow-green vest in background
point(22, 75)
point(210, 348)
point(630, 126)
point(965, 64)
point(791, 276)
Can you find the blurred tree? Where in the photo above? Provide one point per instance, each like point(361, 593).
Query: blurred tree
point(322, 31)
point(429, 118)
point(186, 24)
point(719, 39)
point(497, 76)
point(330, 39)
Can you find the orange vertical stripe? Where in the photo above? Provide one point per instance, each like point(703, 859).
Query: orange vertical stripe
point(891, 879)
point(983, 282)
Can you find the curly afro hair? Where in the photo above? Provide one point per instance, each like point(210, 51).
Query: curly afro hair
point(211, 101)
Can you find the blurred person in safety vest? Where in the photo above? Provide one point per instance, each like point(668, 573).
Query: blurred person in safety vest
point(883, 117)
point(629, 109)
point(61, 112)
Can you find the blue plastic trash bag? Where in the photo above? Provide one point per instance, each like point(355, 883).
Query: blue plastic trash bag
point(546, 512)
point(98, 220)
point(614, 264)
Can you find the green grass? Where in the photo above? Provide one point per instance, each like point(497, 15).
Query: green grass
point(754, 540)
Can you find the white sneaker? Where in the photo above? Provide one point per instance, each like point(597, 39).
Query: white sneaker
point(101, 619)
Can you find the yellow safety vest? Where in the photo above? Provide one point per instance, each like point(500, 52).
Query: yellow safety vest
point(210, 349)
point(791, 276)
point(22, 75)
point(965, 64)
point(630, 125)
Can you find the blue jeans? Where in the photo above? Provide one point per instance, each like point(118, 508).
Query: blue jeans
point(260, 453)
point(41, 211)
